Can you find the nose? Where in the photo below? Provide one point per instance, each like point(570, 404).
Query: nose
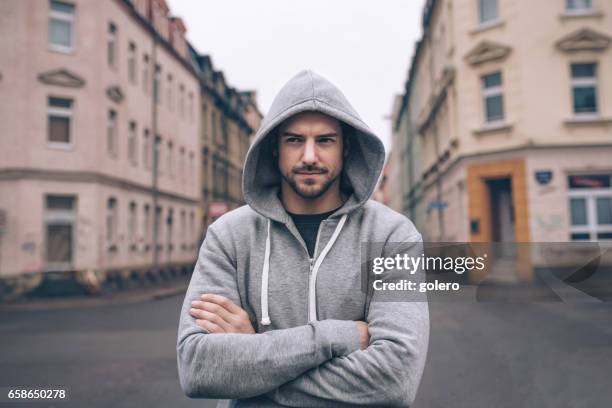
point(310, 154)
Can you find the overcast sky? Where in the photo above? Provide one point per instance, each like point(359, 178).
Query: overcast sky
point(363, 46)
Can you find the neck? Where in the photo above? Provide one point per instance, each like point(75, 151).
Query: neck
point(297, 204)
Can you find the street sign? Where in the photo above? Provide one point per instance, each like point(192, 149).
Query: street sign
point(543, 177)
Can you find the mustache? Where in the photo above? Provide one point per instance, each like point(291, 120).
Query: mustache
point(309, 169)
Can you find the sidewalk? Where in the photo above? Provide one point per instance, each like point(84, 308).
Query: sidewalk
point(86, 301)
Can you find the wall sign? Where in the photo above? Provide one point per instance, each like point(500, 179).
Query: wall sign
point(543, 177)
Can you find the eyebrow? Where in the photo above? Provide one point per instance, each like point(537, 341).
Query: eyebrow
point(289, 134)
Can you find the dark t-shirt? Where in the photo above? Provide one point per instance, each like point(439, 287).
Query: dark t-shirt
point(308, 226)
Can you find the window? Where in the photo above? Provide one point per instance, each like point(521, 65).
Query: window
point(192, 236)
point(170, 165)
point(578, 6)
point(191, 175)
point(157, 154)
point(132, 225)
point(169, 96)
point(146, 225)
point(590, 207)
point(213, 123)
point(111, 220)
point(205, 121)
point(190, 107)
point(132, 144)
point(182, 100)
point(60, 216)
point(224, 131)
point(132, 63)
point(59, 114)
point(169, 230)
point(146, 149)
point(111, 45)
point(61, 26)
point(111, 133)
point(157, 84)
point(145, 73)
point(158, 224)
point(183, 229)
point(584, 89)
point(182, 164)
point(487, 11)
point(493, 98)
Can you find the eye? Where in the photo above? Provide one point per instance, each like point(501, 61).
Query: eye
point(326, 140)
point(292, 139)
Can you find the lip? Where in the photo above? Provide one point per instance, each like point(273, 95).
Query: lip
point(309, 173)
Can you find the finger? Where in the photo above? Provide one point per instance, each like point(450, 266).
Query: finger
point(216, 309)
point(210, 327)
point(214, 318)
point(222, 301)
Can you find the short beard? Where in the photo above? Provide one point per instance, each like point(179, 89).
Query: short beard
point(309, 195)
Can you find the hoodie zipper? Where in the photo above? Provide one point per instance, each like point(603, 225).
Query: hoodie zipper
point(312, 261)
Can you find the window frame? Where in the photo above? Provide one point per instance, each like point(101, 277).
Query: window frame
point(146, 148)
point(112, 37)
point(490, 21)
point(584, 82)
point(60, 217)
point(112, 148)
point(182, 164)
point(590, 196)
point(170, 92)
point(133, 143)
point(146, 73)
point(61, 16)
point(112, 221)
point(190, 106)
point(132, 224)
point(491, 92)
point(64, 113)
point(146, 226)
point(181, 101)
point(170, 159)
point(580, 7)
point(132, 63)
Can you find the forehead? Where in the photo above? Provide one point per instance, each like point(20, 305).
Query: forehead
point(311, 123)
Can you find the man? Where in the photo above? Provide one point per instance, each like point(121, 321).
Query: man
point(276, 313)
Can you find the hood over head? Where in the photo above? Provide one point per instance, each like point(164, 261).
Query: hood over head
point(308, 91)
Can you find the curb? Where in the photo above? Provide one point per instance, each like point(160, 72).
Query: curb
point(115, 299)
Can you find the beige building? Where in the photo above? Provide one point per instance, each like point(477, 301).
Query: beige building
point(99, 157)
point(391, 181)
point(229, 119)
point(506, 122)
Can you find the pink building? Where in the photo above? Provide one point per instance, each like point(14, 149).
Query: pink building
point(99, 146)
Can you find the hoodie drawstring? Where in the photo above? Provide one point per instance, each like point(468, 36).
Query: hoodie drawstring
point(312, 295)
point(265, 316)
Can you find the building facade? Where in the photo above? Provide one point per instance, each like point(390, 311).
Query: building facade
point(229, 120)
point(506, 122)
point(100, 156)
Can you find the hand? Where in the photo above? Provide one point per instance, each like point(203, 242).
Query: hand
point(364, 335)
point(218, 314)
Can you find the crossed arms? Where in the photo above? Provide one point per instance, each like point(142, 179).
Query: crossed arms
point(323, 362)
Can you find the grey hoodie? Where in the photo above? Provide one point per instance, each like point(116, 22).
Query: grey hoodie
point(306, 351)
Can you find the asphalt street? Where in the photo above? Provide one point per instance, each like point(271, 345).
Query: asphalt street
point(481, 354)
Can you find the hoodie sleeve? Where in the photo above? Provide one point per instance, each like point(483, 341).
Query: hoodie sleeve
point(389, 370)
point(245, 365)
